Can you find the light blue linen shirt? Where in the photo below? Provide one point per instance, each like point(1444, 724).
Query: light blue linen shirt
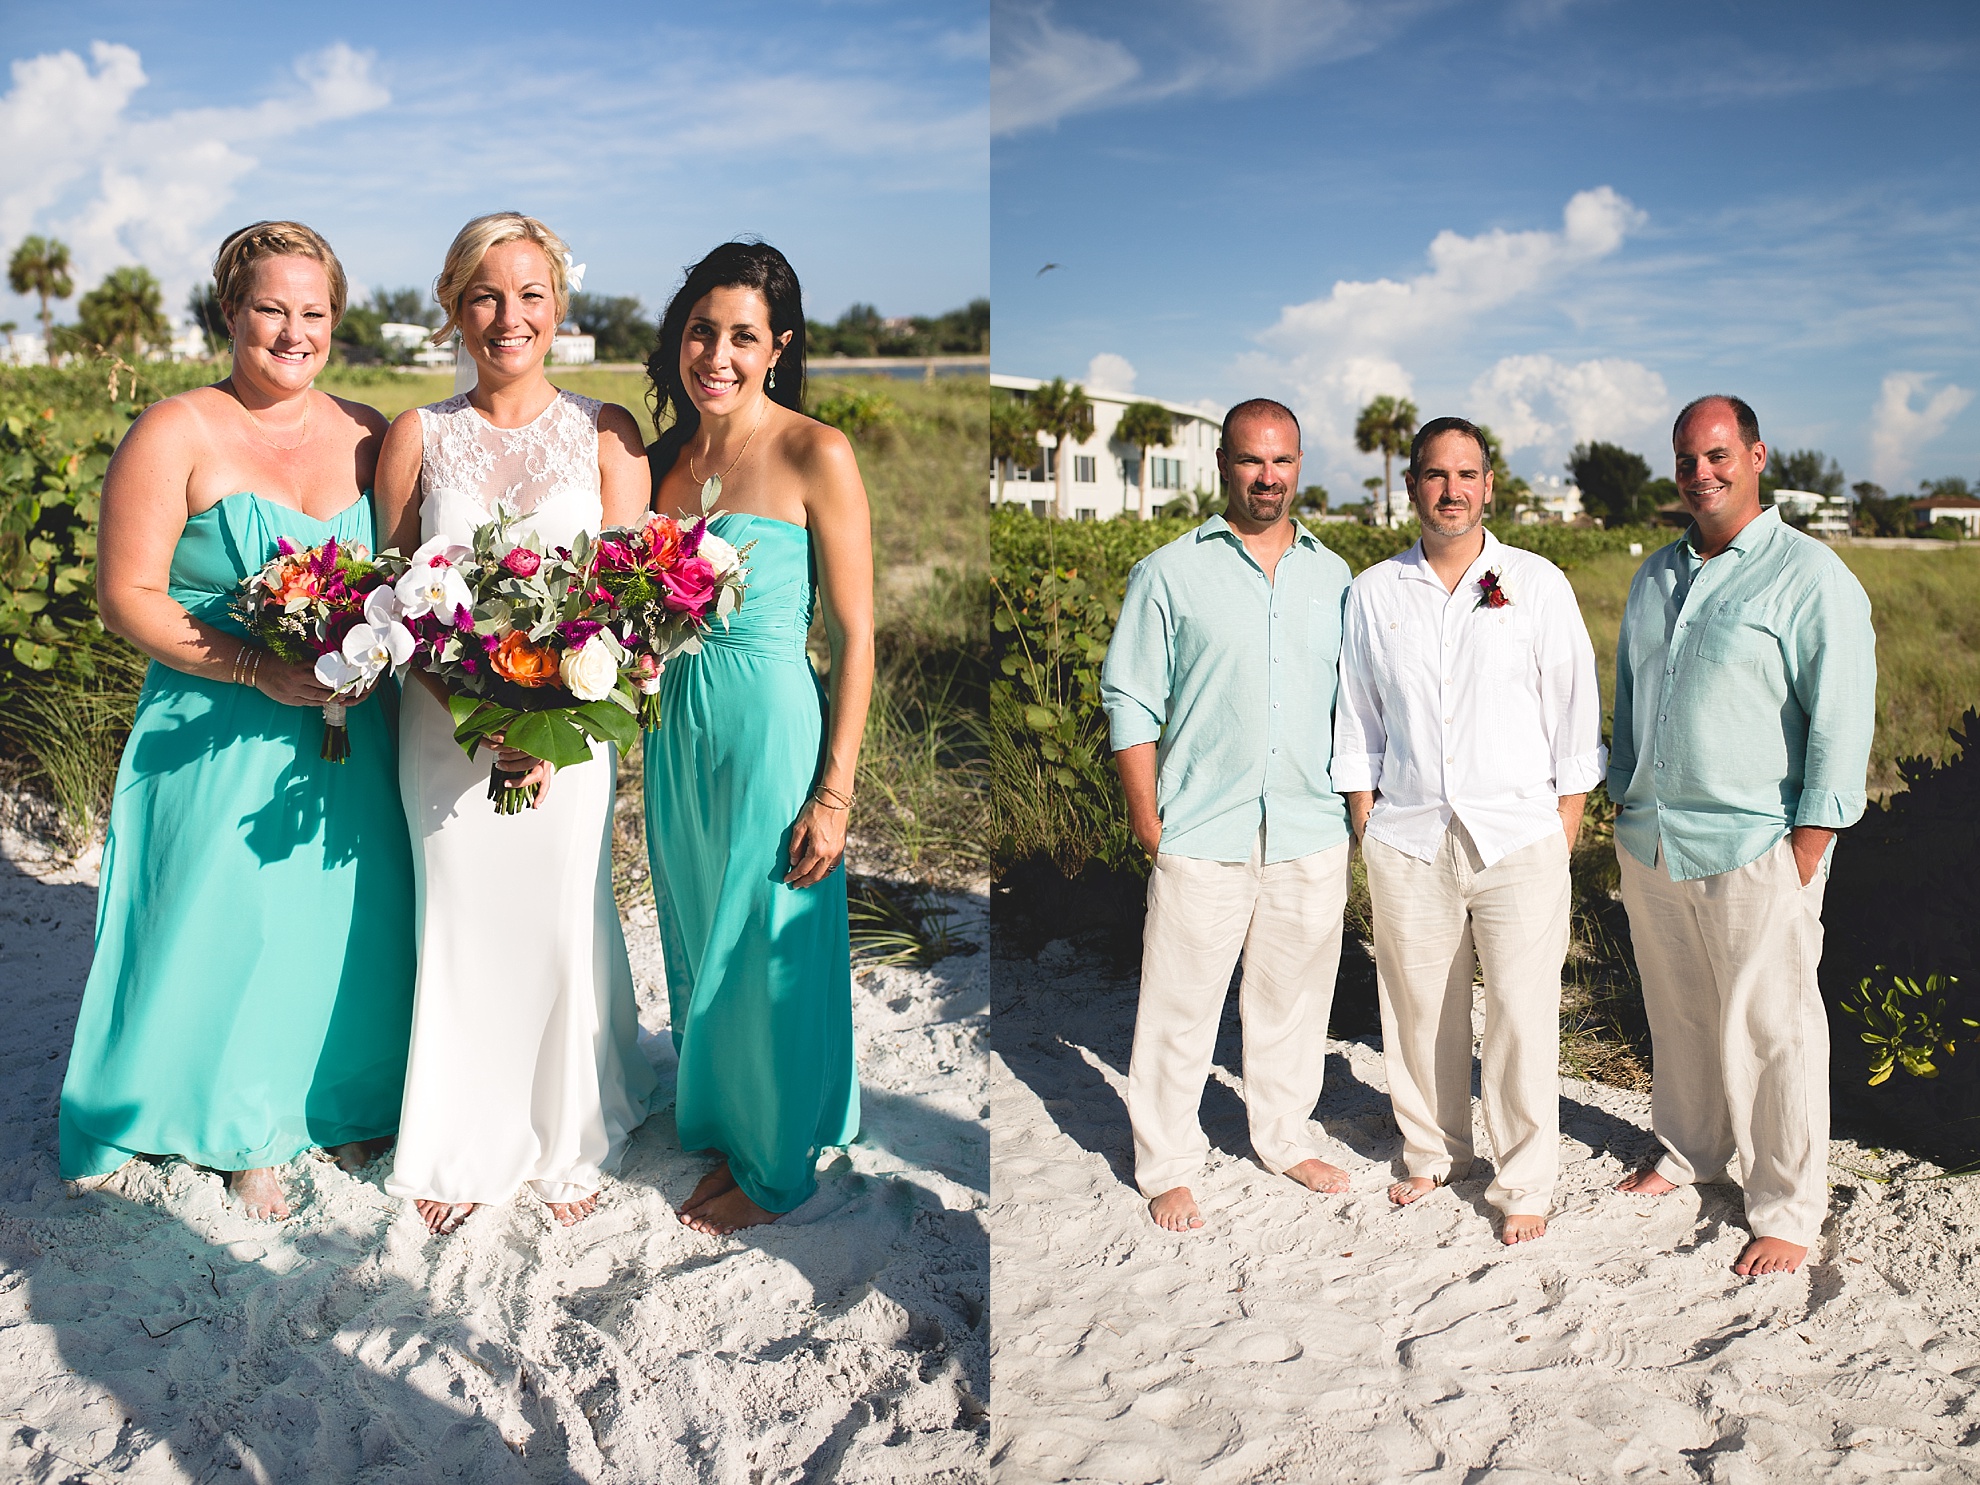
point(1746, 696)
point(1233, 676)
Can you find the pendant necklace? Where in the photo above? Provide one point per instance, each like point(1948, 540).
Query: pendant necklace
point(286, 448)
point(711, 488)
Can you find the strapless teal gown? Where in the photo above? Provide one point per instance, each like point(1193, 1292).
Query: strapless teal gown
point(251, 994)
point(759, 975)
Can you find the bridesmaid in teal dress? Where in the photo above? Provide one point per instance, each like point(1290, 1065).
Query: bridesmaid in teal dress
point(749, 778)
point(251, 993)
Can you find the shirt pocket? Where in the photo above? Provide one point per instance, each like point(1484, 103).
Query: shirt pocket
point(1505, 644)
point(1323, 630)
point(1742, 634)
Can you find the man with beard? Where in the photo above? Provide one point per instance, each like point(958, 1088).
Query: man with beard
point(1467, 736)
point(1746, 694)
point(1219, 691)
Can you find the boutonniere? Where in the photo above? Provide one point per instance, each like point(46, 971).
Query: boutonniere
point(1491, 593)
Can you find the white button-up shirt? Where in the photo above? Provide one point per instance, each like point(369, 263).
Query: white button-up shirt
point(1449, 707)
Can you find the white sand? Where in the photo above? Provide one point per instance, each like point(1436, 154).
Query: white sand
point(1306, 1338)
point(847, 1342)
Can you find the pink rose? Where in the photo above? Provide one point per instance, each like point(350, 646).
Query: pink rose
point(522, 562)
point(689, 586)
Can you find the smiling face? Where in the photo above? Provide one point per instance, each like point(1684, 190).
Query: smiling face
point(508, 314)
point(282, 329)
point(1261, 469)
point(727, 348)
point(1718, 474)
point(1452, 485)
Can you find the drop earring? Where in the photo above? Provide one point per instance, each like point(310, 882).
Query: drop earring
point(771, 383)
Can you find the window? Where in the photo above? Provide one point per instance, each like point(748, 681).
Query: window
point(1041, 507)
point(1083, 469)
point(1165, 474)
point(1086, 513)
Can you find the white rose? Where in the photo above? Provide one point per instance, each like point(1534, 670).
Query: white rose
point(590, 671)
point(721, 556)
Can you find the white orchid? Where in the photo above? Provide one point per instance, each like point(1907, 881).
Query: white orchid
point(433, 584)
point(369, 651)
point(574, 274)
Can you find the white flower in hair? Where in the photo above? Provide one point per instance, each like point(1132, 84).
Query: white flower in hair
point(574, 274)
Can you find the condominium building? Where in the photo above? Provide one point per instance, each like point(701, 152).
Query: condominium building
point(1103, 474)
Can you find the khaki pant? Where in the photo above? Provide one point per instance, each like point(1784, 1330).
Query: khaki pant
point(1737, 1031)
point(1287, 919)
point(1430, 916)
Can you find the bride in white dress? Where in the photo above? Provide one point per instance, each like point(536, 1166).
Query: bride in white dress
point(525, 1062)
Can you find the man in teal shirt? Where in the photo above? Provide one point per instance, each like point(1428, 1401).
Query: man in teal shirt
point(1746, 688)
point(1219, 691)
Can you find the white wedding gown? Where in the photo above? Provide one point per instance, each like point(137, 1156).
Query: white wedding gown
point(525, 1061)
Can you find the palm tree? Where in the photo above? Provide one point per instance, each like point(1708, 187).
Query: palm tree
point(203, 304)
point(124, 313)
point(1145, 426)
point(40, 265)
point(1013, 436)
point(1386, 426)
point(1065, 413)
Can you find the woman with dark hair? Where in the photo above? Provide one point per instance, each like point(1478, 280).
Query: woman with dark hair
point(750, 777)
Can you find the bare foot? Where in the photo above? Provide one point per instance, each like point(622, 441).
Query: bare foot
point(259, 1192)
point(354, 1157)
point(1175, 1210)
point(1317, 1175)
point(1413, 1189)
point(443, 1217)
point(1770, 1256)
point(731, 1211)
point(1645, 1182)
point(1518, 1228)
point(570, 1213)
point(714, 1184)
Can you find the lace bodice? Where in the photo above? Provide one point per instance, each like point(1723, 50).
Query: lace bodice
point(543, 475)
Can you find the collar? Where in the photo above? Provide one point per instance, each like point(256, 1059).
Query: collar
point(1218, 526)
point(1413, 566)
point(1754, 534)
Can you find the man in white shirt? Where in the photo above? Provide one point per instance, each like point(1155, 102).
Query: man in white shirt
point(1466, 737)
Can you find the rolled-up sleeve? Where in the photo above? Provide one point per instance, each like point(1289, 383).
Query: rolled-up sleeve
point(1570, 696)
point(1136, 675)
point(1834, 655)
point(1361, 737)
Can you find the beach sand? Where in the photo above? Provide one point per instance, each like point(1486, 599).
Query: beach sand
point(1337, 1338)
point(150, 1331)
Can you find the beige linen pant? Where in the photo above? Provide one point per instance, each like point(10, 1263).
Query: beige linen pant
point(1286, 917)
point(1738, 1034)
point(1430, 916)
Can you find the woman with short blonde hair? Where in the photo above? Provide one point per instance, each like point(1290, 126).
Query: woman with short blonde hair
point(251, 993)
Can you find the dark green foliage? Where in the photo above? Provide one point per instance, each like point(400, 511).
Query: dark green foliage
point(125, 313)
point(1880, 514)
point(50, 487)
point(1612, 481)
point(1804, 469)
point(622, 327)
point(858, 412)
point(203, 304)
point(861, 331)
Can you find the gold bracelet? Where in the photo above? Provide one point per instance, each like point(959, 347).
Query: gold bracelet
point(251, 670)
point(240, 665)
point(846, 800)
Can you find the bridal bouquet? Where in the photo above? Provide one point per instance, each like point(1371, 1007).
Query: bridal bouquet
point(666, 583)
point(334, 608)
point(525, 642)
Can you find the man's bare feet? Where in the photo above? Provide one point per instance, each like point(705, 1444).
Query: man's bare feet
point(1317, 1175)
point(710, 1186)
point(1645, 1182)
point(1770, 1256)
point(570, 1213)
point(259, 1192)
point(1175, 1210)
point(1519, 1228)
point(1413, 1189)
point(443, 1217)
point(730, 1212)
point(354, 1157)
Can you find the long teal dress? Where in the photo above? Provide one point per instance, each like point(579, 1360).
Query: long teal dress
point(251, 994)
point(759, 975)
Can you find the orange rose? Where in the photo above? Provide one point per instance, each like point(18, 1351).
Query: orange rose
point(663, 536)
point(294, 580)
point(516, 659)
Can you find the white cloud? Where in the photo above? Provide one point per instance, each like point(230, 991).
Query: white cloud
point(121, 189)
point(1537, 403)
point(1040, 72)
point(1108, 372)
point(1897, 428)
point(1353, 344)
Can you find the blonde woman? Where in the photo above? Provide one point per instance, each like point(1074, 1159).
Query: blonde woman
point(525, 1064)
point(253, 974)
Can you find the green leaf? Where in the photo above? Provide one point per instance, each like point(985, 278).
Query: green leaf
point(548, 735)
point(610, 720)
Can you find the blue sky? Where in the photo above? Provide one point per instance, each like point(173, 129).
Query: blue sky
point(853, 134)
point(1564, 217)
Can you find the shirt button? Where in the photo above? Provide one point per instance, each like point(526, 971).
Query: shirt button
point(1392, 626)
point(1660, 765)
point(1275, 706)
point(1660, 719)
point(1453, 760)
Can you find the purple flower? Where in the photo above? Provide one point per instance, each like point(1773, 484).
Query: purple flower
point(691, 543)
point(463, 620)
point(286, 547)
point(578, 631)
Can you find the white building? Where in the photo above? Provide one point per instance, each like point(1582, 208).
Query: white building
point(573, 348)
point(1961, 508)
point(1824, 515)
point(1553, 499)
point(1103, 478)
point(24, 348)
point(408, 338)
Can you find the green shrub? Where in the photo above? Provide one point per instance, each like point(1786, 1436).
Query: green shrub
point(858, 412)
point(50, 488)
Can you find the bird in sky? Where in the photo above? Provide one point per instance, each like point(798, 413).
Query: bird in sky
point(1045, 270)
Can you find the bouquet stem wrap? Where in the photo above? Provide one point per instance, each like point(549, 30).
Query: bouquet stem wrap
point(336, 737)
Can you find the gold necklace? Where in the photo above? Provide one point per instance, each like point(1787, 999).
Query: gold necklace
point(286, 448)
point(711, 488)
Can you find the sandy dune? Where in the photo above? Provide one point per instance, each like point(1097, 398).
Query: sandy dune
point(1305, 1338)
point(150, 1331)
